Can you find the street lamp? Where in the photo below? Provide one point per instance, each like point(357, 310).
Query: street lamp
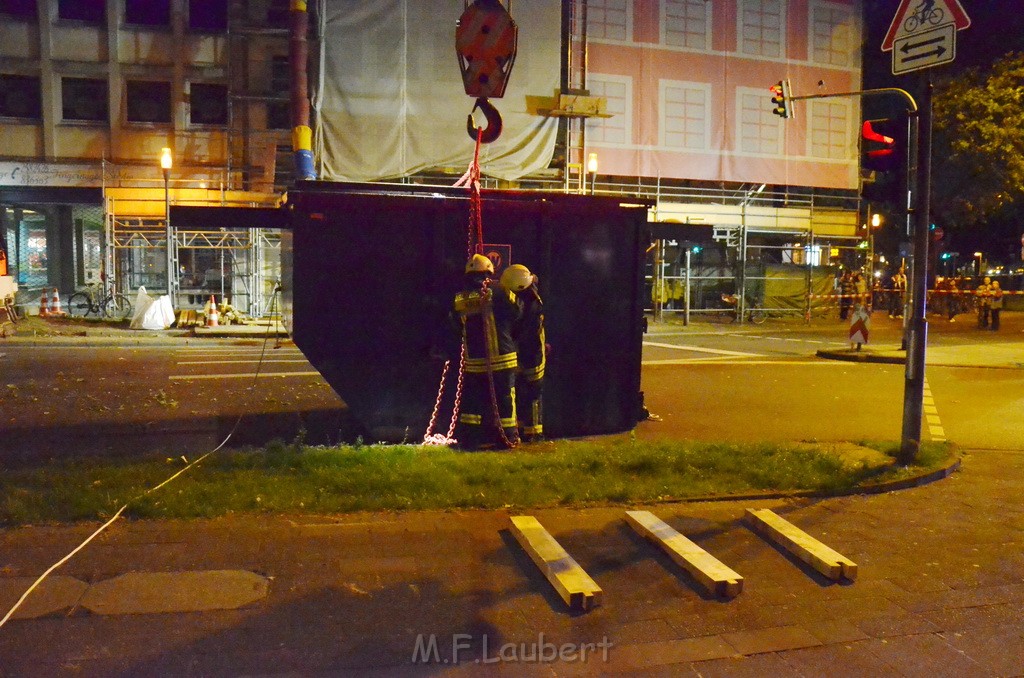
point(592, 169)
point(165, 165)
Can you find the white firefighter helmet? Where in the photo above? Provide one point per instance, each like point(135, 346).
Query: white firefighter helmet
point(517, 278)
point(478, 263)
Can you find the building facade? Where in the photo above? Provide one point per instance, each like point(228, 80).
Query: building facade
point(92, 90)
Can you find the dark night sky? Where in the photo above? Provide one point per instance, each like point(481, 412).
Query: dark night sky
point(997, 28)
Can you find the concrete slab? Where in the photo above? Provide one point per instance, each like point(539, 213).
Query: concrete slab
point(777, 639)
point(52, 595)
point(163, 592)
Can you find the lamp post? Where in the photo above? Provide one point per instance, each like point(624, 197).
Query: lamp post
point(165, 165)
point(592, 170)
point(978, 255)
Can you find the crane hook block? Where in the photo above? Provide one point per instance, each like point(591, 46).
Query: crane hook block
point(485, 40)
point(493, 117)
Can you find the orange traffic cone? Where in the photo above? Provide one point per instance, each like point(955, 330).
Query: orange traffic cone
point(44, 305)
point(212, 316)
point(55, 303)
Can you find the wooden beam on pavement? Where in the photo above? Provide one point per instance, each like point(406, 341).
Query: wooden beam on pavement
point(573, 584)
point(830, 563)
point(716, 577)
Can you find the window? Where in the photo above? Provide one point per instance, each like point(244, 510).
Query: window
point(209, 104)
point(20, 97)
point(686, 23)
point(609, 19)
point(148, 101)
point(618, 92)
point(279, 115)
point(279, 112)
point(278, 13)
point(833, 35)
point(830, 133)
point(684, 115)
point(280, 75)
point(24, 9)
point(84, 99)
point(147, 12)
point(208, 15)
point(760, 130)
point(761, 28)
point(93, 11)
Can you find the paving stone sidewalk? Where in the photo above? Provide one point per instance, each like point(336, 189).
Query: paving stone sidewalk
point(939, 592)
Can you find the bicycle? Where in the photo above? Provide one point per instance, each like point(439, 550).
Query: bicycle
point(754, 315)
point(918, 19)
point(111, 305)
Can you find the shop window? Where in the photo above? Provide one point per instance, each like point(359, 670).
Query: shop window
point(23, 9)
point(209, 104)
point(208, 16)
point(19, 97)
point(93, 11)
point(148, 101)
point(84, 99)
point(147, 12)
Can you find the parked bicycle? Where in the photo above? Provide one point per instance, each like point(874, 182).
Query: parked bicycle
point(754, 315)
point(105, 303)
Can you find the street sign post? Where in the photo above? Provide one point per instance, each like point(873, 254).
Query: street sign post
point(924, 50)
point(921, 36)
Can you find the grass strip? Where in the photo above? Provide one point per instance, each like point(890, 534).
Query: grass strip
point(294, 478)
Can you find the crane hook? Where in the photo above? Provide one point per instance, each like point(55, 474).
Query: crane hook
point(493, 129)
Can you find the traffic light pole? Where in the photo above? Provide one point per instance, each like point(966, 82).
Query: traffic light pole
point(913, 391)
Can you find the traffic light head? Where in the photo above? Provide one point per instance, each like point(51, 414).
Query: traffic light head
point(879, 145)
point(781, 99)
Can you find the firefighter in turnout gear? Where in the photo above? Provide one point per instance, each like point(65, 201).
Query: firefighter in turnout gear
point(485, 313)
point(532, 351)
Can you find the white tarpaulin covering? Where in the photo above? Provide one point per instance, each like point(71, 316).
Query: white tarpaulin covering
point(391, 100)
point(150, 313)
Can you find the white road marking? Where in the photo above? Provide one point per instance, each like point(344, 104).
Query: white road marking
point(931, 414)
point(699, 349)
point(729, 361)
point(244, 375)
point(238, 362)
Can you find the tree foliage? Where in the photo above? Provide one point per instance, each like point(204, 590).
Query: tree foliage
point(978, 143)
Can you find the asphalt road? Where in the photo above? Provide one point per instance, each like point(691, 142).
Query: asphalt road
point(764, 382)
point(175, 398)
point(709, 381)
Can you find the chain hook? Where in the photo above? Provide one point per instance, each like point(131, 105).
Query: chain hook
point(493, 117)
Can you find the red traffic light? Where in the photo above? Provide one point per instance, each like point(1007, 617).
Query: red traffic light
point(780, 99)
point(879, 149)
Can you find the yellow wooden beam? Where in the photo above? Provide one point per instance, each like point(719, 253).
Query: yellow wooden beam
point(715, 576)
point(573, 584)
point(830, 563)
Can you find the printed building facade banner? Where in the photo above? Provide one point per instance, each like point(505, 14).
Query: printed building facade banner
point(686, 81)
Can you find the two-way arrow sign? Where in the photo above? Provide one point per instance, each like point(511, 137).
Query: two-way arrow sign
point(924, 49)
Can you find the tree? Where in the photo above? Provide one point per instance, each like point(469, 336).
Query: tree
point(978, 144)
